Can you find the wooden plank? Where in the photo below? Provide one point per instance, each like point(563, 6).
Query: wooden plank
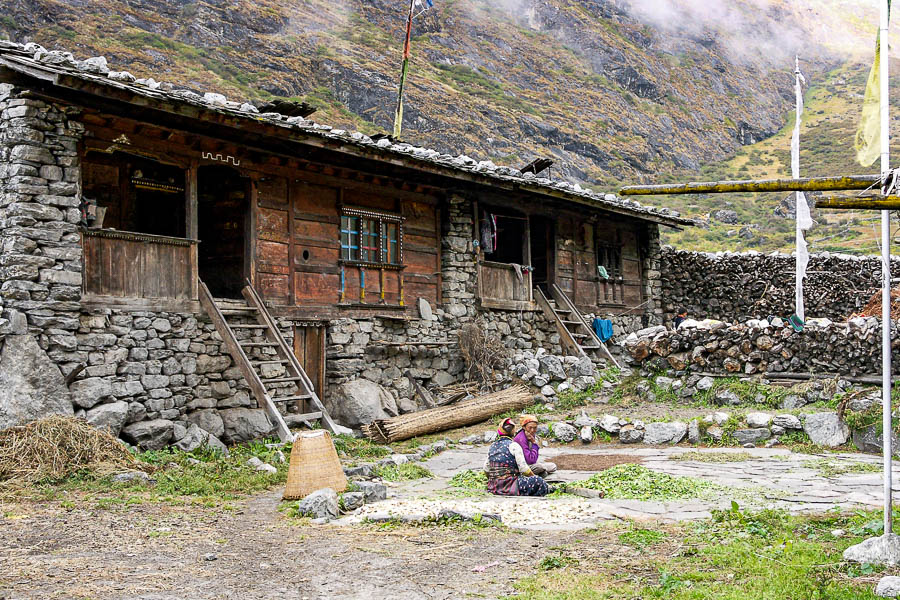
point(273, 225)
point(131, 257)
point(190, 190)
point(272, 191)
point(150, 273)
point(273, 287)
point(92, 266)
point(320, 288)
point(272, 257)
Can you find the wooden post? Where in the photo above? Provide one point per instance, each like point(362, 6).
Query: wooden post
point(190, 192)
point(803, 184)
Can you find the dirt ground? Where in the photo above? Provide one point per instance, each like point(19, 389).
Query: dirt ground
point(592, 462)
point(154, 551)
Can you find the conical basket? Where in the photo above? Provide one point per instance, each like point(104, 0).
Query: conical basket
point(314, 465)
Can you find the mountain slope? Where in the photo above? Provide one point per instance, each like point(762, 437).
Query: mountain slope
point(614, 91)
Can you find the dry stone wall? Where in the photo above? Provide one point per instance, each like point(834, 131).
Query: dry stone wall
point(757, 346)
point(734, 286)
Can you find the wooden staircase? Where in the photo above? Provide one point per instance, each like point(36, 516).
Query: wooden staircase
point(576, 335)
point(250, 354)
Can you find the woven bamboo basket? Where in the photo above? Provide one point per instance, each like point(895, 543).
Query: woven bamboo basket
point(386, 431)
point(314, 465)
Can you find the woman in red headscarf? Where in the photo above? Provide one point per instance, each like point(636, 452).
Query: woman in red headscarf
point(508, 473)
point(531, 446)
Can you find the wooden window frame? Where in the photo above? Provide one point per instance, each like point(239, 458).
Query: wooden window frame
point(380, 219)
point(613, 291)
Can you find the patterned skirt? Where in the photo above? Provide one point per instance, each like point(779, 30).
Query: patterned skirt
point(504, 481)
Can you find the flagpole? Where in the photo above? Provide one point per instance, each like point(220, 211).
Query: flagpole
point(398, 116)
point(885, 267)
point(799, 268)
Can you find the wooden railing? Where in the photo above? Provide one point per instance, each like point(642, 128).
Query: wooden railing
point(500, 286)
point(138, 265)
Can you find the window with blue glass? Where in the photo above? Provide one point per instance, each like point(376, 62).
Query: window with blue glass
point(371, 237)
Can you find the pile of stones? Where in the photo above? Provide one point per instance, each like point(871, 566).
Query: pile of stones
point(761, 346)
point(552, 374)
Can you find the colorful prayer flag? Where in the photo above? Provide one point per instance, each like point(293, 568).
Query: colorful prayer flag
point(868, 134)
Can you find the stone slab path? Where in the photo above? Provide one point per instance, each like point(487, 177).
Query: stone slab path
point(771, 478)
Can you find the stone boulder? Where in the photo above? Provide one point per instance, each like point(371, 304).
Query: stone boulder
point(359, 402)
point(630, 435)
point(888, 587)
point(564, 432)
point(870, 439)
point(553, 367)
point(321, 504)
point(727, 398)
point(373, 491)
point(89, 392)
point(586, 435)
point(787, 422)
point(31, 385)
point(353, 500)
point(208, 420)
point(826, 429)
point(193, 438)
point(751, 436)
point(610, 424)
point(758, 419)
point(149, 435)
point(583, 367)
point(244, 424)
point(108, 417)
point(664, 433)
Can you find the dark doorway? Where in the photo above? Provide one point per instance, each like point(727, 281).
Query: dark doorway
point(542, 244)
point(222, 204)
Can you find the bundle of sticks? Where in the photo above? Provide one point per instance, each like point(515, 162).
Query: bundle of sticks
point(432, 420)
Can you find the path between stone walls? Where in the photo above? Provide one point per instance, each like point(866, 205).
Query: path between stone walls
point(771, 478)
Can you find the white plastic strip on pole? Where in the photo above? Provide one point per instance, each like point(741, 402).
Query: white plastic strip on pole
point(803, 220)
point(885, 268)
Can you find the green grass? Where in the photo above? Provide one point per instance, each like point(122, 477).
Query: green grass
point(470, 479)
point(347, 445)
point(833, 468)
point(736, 555)
point(404, 472)
point(636, 482)
point(712, 457)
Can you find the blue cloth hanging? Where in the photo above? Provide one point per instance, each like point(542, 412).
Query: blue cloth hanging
point(603, 328)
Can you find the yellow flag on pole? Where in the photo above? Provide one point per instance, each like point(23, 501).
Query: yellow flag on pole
point(868, 134)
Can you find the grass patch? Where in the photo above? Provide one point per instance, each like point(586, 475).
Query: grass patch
point(635, 482)
point(347, 445)
point(712, 457)
point(570, 399)
point(641, 538)
point(404, 472)
point(833, 468)
point(736, 555)
point(470, 479)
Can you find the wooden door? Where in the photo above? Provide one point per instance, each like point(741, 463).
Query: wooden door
point(309, 348)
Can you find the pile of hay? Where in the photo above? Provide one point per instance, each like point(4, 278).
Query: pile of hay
point(873, 307)
point(56, 447)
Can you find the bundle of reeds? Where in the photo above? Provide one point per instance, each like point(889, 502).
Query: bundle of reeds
point(467, 412)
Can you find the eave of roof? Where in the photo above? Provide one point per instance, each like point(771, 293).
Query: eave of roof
point(61, 70)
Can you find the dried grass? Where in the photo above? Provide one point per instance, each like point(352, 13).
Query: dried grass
point(873, 307)
point(483, 352)
point(57, 447)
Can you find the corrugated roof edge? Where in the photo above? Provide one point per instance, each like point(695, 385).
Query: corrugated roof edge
point(26, 58)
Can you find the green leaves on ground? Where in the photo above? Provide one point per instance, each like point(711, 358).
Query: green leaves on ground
point(404, 472)
point(470, 479)
point(630, 481)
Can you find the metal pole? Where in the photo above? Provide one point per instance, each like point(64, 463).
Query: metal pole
point(798, 196)
point(885, 267)
point(398, 116)
point(803, 184)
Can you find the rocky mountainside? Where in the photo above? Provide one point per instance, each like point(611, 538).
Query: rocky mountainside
point(614, 91)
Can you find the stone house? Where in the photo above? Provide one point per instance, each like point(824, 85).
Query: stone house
point(122, 200)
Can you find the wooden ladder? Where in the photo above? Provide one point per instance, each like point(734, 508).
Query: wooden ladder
point(249, 362)
point(576, 335)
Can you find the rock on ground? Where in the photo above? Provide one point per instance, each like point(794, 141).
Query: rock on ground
point(888, 587)
point(630, 435)
point(826, 429)
point(321, 504)
point(244, 424)
point(882, 550)
point(31, 385)
point(664, 433)
point(564, 432)
point(373, 491)
point(751, 436)
point(353, 500)
point(359, 402)
point(149, 435)
point(108, 417)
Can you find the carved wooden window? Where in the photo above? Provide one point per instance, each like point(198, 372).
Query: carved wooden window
point(371, 238)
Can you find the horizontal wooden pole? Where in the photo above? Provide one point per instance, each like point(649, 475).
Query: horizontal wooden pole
point(875, 202)
point(806, 184)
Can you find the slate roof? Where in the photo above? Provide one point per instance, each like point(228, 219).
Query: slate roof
point(58, 67)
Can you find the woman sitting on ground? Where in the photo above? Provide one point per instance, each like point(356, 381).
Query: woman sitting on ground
point(531, 446)
point(507, 472)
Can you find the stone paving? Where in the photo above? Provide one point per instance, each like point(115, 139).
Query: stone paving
point(772, 478)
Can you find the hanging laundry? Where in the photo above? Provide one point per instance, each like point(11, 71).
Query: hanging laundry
point(603, 328)
point(518, 270)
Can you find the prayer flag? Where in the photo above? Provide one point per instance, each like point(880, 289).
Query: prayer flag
point(868, 134)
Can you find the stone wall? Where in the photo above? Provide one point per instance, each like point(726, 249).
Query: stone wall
point(736, 286)
point(848, 348)
point(40, 250)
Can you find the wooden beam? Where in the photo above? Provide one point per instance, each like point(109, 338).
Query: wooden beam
point(873, 202)
point(806, 184)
